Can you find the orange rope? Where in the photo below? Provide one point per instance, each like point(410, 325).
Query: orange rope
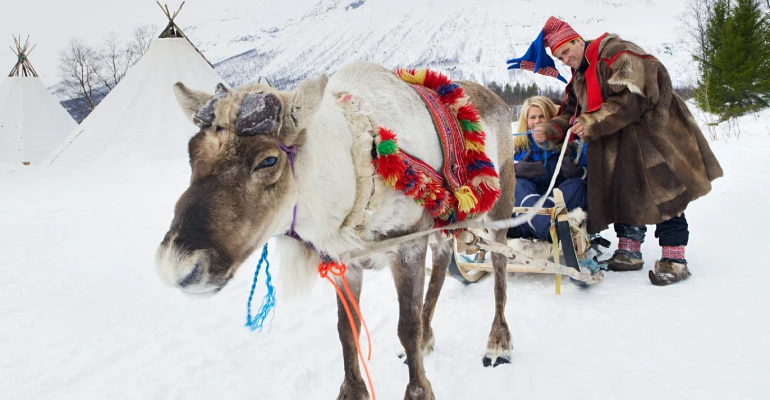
point(339, 269)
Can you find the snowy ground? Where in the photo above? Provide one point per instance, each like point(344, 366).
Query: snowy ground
point(83, 315)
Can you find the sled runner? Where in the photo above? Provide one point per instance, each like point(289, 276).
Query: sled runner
point(569, 256)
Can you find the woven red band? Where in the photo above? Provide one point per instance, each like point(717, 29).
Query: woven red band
point(629, 245)
point(673, 252)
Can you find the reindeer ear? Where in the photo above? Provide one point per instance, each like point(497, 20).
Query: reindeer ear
point(190, 100)
point(203, 116)
point(307, 100)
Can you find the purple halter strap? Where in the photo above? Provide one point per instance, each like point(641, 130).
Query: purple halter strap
point(290, 152)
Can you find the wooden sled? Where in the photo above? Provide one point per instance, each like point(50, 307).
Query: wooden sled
point(471, 259)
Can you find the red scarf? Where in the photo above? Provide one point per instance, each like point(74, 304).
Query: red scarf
point(593, 91)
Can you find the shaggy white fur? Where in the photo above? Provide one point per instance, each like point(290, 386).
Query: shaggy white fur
point(326, 173)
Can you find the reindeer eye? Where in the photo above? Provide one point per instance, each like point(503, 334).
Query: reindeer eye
point(266, 163)
point(220, 128)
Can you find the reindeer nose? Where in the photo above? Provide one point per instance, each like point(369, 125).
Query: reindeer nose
point(181, 269)
point(194, 277)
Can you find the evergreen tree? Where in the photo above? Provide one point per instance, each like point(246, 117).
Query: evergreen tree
point(532, 90)
point(508, 93)
point(735, 66)
point(495, 87)
point(749, 33)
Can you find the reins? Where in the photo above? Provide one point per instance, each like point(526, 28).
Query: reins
point(373, 247)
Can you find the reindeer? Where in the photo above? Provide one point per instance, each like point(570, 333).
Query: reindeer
point(267, 162)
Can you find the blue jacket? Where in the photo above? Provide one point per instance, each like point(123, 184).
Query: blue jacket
point(549, 158)
point(539, 154)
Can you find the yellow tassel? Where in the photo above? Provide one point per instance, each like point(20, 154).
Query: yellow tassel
point(418, 78)
point(391, 181)
point(474, 146)
point(466, 200)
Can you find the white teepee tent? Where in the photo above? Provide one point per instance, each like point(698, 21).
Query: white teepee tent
point(32, 122)
point(140, 116)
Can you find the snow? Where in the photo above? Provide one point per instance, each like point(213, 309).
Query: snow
point(85, 316)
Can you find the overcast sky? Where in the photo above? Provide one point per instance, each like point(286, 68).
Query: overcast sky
point(50, 25)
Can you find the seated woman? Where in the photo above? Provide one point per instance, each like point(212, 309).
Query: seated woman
point(535, 166)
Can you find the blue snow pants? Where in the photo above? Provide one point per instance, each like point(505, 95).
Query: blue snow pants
point(528, 192)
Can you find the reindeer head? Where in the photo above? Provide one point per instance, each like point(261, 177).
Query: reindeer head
point(242, 189)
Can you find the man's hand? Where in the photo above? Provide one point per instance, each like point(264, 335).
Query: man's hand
point(578, 129)
point(538, 133)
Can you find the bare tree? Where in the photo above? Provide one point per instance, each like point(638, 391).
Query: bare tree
point(115, 58)
point(695, 24)
point(142, 39)
point(79, 68)
point(707, 115)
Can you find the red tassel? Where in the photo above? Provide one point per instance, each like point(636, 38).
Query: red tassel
point(434, 79)
point(387, 134)
point(468, 112)
point(475, 137)
point(487, 197)
point(389, 166)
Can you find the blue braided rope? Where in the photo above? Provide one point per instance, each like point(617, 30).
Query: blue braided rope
point(268, 302)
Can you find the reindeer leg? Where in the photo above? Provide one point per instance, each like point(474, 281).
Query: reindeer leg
point(499, 345)
point(409, 275)
point(353, 387)
point(441, 253)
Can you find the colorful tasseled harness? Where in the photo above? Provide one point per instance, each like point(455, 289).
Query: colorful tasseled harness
point(469, 185)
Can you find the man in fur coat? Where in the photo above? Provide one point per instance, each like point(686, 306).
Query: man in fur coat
point(647, 158)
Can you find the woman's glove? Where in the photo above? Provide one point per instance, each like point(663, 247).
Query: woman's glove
point(529, 169)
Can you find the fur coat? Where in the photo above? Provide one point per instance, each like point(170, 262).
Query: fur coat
point(647, 157)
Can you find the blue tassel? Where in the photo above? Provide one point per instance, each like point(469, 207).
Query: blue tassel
point(268, 302)
point(444, 89)
point(479, 164)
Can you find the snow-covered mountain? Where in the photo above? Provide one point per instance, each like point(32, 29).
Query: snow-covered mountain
point(469, 39)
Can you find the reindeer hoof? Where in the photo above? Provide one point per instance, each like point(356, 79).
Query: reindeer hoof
point(487, 361)
point(501, 360)
point(353, 390)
